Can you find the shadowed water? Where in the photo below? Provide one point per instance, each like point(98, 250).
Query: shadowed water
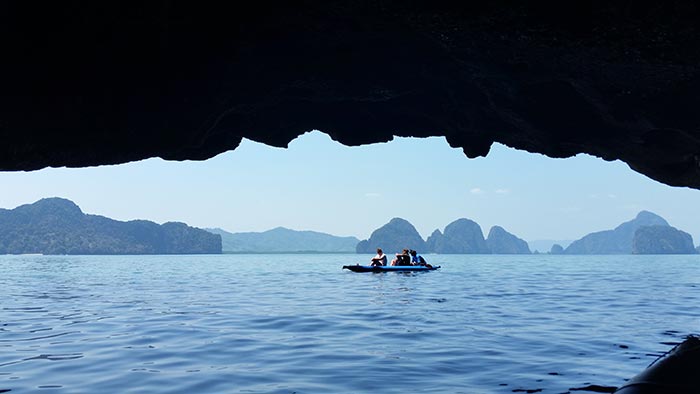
point(299, 324)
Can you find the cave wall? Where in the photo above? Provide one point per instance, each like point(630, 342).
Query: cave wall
point(90, 83)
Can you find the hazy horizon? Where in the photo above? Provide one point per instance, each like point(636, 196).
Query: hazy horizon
point(320, 185)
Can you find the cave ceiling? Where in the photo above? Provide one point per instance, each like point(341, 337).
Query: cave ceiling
point(92, 83)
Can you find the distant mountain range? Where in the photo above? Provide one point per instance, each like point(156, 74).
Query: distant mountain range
point(58, 226)
point(460, 236)
point(284, 240)
point(648, 233)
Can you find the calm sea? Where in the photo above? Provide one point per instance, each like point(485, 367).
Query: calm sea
point(300, 324)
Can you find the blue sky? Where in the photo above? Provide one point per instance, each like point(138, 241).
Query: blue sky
point(318, 184)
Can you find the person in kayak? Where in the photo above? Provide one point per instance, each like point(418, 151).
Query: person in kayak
point(417, 259)
point(402, 258)
point(380, 259)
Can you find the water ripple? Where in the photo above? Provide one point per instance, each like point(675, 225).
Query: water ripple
point(210, 324)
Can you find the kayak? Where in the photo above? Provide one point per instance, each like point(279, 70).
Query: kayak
point(388, 268)
point(676, 372)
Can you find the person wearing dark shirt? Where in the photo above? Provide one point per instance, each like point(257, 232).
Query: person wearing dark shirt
point(402, 258)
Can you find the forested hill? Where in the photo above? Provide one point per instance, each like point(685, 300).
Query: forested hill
point(280, 240)
point(58, 226)
point(648, 233)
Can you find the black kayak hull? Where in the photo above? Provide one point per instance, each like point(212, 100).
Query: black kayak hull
point(676, 372)
point(389, 268)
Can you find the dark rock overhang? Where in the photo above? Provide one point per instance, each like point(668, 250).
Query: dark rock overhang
point(90, 83)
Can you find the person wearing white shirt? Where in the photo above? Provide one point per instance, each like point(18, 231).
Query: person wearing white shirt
point(379, 259)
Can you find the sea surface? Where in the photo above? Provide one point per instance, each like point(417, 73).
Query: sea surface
point(301, 324)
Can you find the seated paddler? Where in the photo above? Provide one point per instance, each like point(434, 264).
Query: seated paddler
point(380, 259)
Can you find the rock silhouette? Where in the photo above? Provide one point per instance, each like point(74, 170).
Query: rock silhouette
point(394, 236)
point(500, 241)
point(619, 81)
point(461, 236)
point(662, 240)
point(617, 241)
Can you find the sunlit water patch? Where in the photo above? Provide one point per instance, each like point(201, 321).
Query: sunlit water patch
point(299, 324)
